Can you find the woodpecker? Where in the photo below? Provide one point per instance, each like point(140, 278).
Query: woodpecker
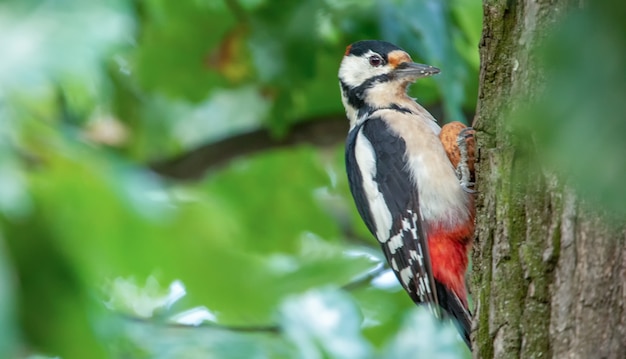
point(402, 178)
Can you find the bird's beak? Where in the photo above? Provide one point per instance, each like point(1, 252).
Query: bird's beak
point(415, 70)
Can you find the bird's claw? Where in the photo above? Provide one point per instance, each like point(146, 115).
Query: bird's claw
point(463, 170)
point(468, 187)
point(464, 134)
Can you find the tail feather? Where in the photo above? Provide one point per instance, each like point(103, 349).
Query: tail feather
point(453, 308)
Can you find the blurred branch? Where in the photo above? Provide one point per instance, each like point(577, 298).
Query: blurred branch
point(321, 132)
point(193, 164)
point(274, 329)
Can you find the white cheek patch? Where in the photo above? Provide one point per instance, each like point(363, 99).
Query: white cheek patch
point(366, 160)
point(354, 70)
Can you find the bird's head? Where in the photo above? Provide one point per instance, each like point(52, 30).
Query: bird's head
point(375, 74)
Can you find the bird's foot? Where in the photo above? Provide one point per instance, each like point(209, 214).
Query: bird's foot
point(463, 169)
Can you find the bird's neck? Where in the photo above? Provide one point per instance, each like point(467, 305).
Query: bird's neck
point(391, 95)
point(388, 94)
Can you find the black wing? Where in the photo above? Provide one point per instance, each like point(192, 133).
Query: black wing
point(403, 242)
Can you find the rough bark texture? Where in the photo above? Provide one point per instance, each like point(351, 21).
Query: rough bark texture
point(549, 276)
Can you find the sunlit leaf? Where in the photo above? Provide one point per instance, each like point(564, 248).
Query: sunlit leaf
point(149, 340)
point(14, 197)
point(424, 336)
point(324, 323)
point(30, 33)
point(383, 310)
point(207, 122)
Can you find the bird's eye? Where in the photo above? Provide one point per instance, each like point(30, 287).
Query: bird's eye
point(376, 60)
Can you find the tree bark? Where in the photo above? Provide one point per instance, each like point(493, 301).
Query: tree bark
point(548, 274)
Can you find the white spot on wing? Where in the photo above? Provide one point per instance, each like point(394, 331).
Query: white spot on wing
point(366, 160)
point(427, 284)
point(415, 256)
point(421, 289)
point(395, 242)
point(413, 224)
point(406, 275)
point(394, 265)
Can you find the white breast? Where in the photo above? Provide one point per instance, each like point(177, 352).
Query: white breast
point(442, 199)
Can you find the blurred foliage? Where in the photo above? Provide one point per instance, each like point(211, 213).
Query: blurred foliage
point(99, 257)
point(577, 119)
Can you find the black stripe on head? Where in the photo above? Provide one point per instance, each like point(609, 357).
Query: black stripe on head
point(380, 47)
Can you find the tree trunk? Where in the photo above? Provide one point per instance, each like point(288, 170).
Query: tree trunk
point(548, 274)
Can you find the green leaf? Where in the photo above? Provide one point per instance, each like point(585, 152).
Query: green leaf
point(468, 15)
point(424, 336)
point(43, 43)
point(324, 323)
point(8, 319)
point(273, 196)
point(55, 308)
point(383, 306)
point(150, 340)
point(176, 43)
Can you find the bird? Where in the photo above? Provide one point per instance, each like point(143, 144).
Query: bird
point(412, 197)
